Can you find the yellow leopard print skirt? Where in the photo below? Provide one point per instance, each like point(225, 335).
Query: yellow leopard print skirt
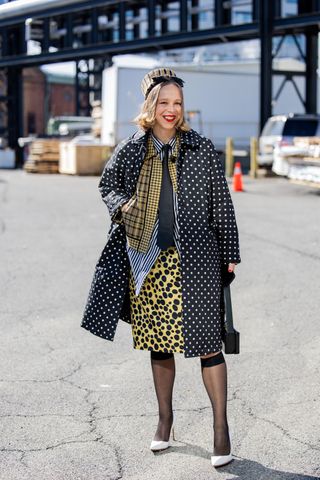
point(156, 313)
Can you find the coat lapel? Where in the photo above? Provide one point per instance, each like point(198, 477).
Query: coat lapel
point(139, 141)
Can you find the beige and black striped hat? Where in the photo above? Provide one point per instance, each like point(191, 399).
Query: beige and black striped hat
point(156, 76)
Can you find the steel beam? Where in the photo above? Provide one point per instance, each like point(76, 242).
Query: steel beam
point(296, 24)
point(180, 39)
point(183, 16)
point(43, 10)
point(195, 16)
point(122, 21)
point(266, 21)
point(201, 37)
point(68, 40)
point(289, 73)
point(255, 10)
point(94, 38)
point(164, 20)
point(222, 15)
point(15, 111)
point(151, 18)
point(46, 35)
point(311, 72)
point(136, 26)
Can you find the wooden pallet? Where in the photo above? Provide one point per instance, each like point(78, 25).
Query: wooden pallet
point(32, 166)
point(43, 156)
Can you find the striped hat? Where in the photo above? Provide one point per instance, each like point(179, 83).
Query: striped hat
point(156, 76)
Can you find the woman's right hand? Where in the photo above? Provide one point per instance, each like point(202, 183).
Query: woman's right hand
point(125, 207)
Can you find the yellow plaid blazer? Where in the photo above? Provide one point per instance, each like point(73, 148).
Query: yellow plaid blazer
point(142, 211)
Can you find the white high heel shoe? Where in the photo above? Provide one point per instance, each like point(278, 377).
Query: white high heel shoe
point(219, 460)
point(161, 444)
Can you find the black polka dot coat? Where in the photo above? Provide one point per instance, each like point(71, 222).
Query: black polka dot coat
point(208, 238)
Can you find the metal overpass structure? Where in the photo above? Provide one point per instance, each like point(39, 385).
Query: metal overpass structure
point(91, 32)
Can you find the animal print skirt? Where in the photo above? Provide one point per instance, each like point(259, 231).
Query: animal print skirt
point(156, 313)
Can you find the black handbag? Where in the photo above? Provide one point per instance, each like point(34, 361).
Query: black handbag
point(230, 336)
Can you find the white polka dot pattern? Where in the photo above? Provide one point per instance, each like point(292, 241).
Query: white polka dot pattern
point(208, 238)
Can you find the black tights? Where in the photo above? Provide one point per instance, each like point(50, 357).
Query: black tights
point(214, 374)
point(163, 370)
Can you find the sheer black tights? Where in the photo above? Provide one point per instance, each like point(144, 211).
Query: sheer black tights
point(214, 374)
point(163, 370)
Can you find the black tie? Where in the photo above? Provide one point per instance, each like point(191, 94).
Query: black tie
point(166, 212)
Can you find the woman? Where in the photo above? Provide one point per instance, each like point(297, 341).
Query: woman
point(173, 233)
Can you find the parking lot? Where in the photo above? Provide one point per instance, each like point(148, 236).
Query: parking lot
point(74, 406)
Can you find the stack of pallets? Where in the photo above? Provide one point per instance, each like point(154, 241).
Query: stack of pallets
point(43, 156)
point(304, 161)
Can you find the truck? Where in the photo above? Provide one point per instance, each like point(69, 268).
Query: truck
point(217, 104)
point(221, 98)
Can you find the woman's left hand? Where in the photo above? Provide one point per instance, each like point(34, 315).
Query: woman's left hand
point(231, 267)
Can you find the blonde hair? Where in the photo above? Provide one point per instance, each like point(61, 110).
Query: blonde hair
point(147, 116)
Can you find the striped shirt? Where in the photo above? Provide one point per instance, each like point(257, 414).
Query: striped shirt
point(141, 262)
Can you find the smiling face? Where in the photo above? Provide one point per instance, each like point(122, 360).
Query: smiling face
point(169, 108)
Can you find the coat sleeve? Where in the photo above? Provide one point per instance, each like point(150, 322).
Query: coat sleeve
point(223, 211)
point(111, 185)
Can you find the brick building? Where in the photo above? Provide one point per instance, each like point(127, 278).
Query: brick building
point(45, 95)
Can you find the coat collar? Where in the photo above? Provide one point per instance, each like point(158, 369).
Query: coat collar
point(152, 150)
point(189, 138)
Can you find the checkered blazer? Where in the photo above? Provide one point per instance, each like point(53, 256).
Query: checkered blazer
point(141, 215)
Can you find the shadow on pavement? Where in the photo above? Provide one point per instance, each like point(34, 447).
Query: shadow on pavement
point(240, 468)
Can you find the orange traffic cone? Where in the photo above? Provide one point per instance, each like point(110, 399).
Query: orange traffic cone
point(237, 178)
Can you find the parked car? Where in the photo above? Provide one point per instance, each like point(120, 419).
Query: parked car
point(280, 130)
point(69, 126)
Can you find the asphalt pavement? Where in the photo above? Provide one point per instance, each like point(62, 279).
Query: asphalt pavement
point(74, 406)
